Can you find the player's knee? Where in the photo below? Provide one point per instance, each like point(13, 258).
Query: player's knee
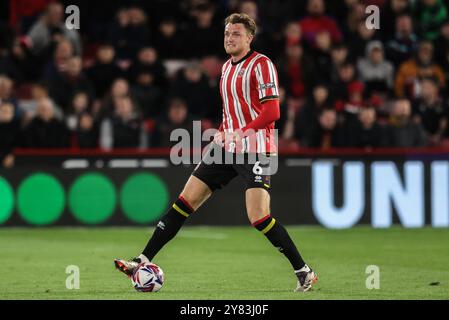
point(194, 200)
point(257, 213)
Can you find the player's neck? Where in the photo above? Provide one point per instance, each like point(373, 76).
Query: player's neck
point(239, 57)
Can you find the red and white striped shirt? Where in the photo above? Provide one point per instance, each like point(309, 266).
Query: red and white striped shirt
point(244, 86)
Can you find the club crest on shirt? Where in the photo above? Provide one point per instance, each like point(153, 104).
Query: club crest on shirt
point(241, 72)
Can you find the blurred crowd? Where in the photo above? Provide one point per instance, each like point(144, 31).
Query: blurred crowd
point(136, 70)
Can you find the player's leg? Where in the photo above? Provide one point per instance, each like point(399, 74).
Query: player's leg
point(194, 194)
point(258, 209)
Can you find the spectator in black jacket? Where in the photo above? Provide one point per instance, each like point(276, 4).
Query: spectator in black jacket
point(307, 115)
point(431, 111)
point(402, 131)
point(192, 86)
point(87, 132)
point(325, 132)
point(45, 130)
point(124, 129)
point(176, 117)
point(366, 133)
point(104, 71)
point(66, 84)
point(148, 61)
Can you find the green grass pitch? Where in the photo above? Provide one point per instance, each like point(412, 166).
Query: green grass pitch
point(226, 263)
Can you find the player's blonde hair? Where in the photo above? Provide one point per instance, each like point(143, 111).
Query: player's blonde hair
point(243, 18)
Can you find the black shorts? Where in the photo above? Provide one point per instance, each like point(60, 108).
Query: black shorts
point(218, 175)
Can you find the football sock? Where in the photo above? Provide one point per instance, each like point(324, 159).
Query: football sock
point(280, 238)
point(168, 227)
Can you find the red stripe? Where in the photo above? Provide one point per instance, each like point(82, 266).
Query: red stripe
point(223, 79)
point(186, 203)
point(261, 220)
point(241, 93)
point(230, 96)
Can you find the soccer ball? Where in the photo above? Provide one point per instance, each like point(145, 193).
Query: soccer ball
point(147, 277)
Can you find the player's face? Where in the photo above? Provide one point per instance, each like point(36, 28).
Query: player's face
point(237, 40)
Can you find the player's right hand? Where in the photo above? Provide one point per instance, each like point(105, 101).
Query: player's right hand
point(219, 138)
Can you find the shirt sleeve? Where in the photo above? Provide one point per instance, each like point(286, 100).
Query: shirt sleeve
point(267, 80)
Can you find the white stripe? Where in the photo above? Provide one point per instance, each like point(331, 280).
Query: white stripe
point(235, 98)
point(262, 92)
point(224, 97)
point(237, 106)
point(247, 93)
point(272, 77)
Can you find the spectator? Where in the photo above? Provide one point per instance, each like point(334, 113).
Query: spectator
point(350, 107)
point(391, 11)
point(430, 15)
point(366, 133)
point(124, 129)
point(430, 111)
point(80, 104)
point(374, 70)
point(442, 44)
point(129, 33)
point(309, 112)
point(7, 63)
point(316, 22)
point(119, 89)
point(404, 42)
point(9, 134)
point(355, 15)
point(50, 29)
point(406, 83)
point(358, 41)
point(148, 61)
point(322, 56)
point(104, 71)
point(346, 75)
point(339, 55)
point(325, 132)
point(292, 34)
point(87, 132)
point(147, 94)
point(176, 117)
point(205, 28)
point(168, 40)
point(402, 132)
point(67, 83)
point(192, 86)
point(61, 57)
point(28, 108)
point(25, 62)
point(262, 40)
point(45, 130)
point(294, 70)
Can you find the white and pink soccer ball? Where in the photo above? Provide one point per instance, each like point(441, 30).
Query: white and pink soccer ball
point(148, 277)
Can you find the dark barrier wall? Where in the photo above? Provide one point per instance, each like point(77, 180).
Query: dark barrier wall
point(336, 191)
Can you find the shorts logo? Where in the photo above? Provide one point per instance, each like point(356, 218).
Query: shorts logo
point(257, 179)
